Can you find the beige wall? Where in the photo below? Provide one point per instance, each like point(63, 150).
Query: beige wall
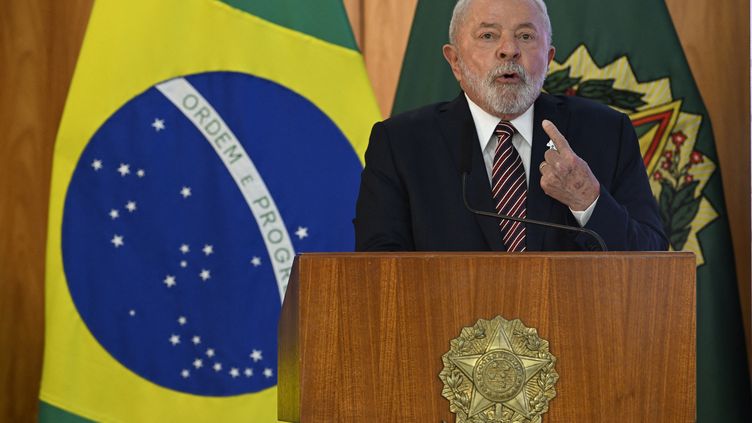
point(39, 42)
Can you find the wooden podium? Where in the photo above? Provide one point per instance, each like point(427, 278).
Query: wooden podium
point(361, 336)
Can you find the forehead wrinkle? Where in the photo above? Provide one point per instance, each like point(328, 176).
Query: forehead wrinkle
point(490, 25)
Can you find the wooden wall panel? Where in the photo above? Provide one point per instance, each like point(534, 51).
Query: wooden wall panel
point(718, 54)
point(382, 29)
point(386, 29)
point(39, 42)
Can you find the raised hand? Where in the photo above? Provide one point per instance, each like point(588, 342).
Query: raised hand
point(565, 176)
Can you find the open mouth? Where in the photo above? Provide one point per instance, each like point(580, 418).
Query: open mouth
point(508, 77)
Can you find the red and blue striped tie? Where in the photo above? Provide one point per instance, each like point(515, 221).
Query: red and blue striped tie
point(509, 187)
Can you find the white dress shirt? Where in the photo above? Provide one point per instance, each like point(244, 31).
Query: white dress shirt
point(485, 125)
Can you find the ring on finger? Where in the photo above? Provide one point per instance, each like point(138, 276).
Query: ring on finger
point(540, 166)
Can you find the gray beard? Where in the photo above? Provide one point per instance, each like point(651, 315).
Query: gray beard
point(504, 99)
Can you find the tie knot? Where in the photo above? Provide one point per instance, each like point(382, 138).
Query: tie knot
point(505, 128)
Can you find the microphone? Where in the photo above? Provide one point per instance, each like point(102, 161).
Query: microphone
point(465, 162)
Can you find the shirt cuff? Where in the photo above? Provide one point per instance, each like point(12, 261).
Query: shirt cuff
point(582, 217)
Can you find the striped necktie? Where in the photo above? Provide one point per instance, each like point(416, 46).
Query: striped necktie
point(509, 187)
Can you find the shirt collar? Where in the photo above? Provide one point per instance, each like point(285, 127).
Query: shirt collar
point(485, 123)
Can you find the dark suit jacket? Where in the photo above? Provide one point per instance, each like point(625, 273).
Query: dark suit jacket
point(411, 197)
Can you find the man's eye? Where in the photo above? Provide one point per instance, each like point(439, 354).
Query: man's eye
point(526, 37)
point(487, 36)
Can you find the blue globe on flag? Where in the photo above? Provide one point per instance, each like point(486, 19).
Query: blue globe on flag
point(182, 219)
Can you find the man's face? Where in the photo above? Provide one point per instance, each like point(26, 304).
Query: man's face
point(501, 55)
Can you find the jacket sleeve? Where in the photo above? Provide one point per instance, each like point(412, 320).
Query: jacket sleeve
point(626, 214)
point(382, 212)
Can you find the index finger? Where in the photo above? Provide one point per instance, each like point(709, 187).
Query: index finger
point(559, 141)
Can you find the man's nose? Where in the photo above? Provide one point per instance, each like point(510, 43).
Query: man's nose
point(508, 48)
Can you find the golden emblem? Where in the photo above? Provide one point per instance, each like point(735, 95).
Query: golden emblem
point(498, 371)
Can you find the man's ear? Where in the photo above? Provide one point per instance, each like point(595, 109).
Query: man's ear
point(452, 57)
point(551, 54)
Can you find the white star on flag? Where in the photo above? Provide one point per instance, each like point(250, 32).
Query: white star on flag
point(248, 372)
point(256, 261)
point(208, 249)
point(196, 340)
point(256, 356)
point(185, 249)
point(131, 206)
point(182, 320)
point(124, 169)
point(183, 263)
point(217, 367)
point(117, 241)
point(210, 352)
point(268, 373)
point(114, 214)
point(185, 192)
point(234, 373)
point(174, 339)
point(169, 280)
point(132, 313)
point(96, 164)
point(158, 124)
point(198, 363)
point(140, 173)
point(301, 232)
point(185, 373)
point(205, 275)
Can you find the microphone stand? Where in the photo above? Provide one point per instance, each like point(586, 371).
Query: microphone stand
point(524, 220)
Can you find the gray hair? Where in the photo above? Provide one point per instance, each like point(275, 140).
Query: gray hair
point(460, 10)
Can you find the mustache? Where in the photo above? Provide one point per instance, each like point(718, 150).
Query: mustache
point(505, 68)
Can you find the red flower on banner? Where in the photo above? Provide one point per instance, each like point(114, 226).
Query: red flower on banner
point(696, 157)
point(678, 138)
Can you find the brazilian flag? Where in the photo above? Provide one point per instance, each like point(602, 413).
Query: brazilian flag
point(626, 54)
point(203, 144)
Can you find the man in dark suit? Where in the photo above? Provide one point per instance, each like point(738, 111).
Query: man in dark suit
point(535, 156)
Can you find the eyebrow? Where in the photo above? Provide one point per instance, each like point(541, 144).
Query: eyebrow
point(496, 25)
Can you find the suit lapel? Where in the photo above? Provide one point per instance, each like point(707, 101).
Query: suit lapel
point(540, 205)
point(456, 125)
